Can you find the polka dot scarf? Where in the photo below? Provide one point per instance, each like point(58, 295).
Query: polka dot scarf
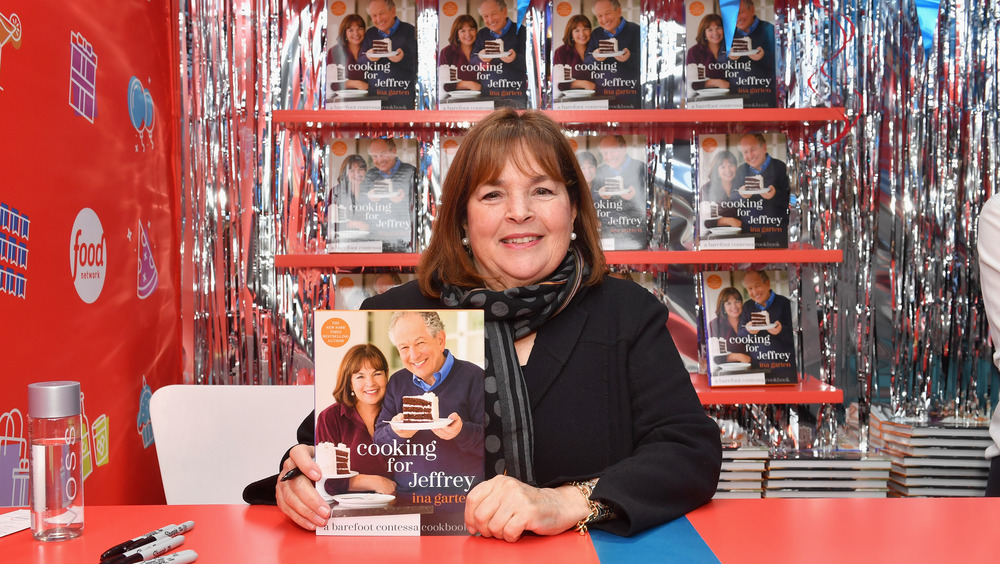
point(511, 315)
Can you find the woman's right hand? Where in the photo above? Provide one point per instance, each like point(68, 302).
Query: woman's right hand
point(298, 498)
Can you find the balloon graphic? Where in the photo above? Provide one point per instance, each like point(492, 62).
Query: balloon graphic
point(136, 103)
point(148, 110)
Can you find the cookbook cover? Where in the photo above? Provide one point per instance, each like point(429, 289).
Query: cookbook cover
point(745, 191)
point(596, 54)
point(481, 55)
point(371, 195)
point(615, 168)
point(749, 328)
point(399, 426)
point(371, 58)
point(740, 75)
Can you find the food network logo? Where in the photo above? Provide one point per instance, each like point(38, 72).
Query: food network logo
point(88, 255)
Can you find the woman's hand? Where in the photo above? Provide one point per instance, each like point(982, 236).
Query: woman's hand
point(505, 508)
point(298, 498)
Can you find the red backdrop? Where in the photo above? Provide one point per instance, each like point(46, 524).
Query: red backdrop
point(89, 286)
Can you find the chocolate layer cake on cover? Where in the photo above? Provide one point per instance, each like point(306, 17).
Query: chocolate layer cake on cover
point(741, 45)
point(333, 460)
point(494, 46)
point(607, 46)
point(614, 184)
point(382, 187)
point(420, 409)
point(760, 319)
point(381, 46)
point(754, 182)
point(339, 73)
point(452, 73)
point(713, 210)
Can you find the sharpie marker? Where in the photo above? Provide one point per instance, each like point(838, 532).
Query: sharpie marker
point(182, 557)
point(148, 551)
point(293, 473)
point(165, 533)
point(122, 547)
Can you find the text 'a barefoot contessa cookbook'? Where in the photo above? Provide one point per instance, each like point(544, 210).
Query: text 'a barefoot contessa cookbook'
point(399, 419)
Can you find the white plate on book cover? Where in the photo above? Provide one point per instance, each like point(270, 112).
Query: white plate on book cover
point(373, 55)
point(463, 94)
point(611, 54)
point(420, 426)
point(712, 92)
point(382, 195)
point(767, 327)
point(363, 500)
point(742, 53)
point(732, 366)
point(351, 93)
point(350, 233)
point(725, 230)
point(578, 93)
point(750, 192)
point(488, 56)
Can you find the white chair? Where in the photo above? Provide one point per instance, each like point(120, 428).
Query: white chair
point(211, 441)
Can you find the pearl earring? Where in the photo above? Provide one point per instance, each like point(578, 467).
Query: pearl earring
point(465, 241)
point(572, 235)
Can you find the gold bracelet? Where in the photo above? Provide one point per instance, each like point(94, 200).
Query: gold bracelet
point(599, 511)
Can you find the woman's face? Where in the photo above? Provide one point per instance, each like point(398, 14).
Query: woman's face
point(713, 34)
point(581, 34)
point(733, 307)
point(355, 34)
point(589, 171)
point(467, 35)
point(519, 227)
point(727, 170)
point(368, 385)
point(355, 174)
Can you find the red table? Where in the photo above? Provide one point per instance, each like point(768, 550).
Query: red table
point(765, 530)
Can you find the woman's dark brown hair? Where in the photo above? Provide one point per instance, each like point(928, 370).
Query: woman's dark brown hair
point(535, 144)
point(356, 358)
point(574, 21)
point(460, 22)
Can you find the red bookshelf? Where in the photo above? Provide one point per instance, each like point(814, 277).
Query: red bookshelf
point(809, 390)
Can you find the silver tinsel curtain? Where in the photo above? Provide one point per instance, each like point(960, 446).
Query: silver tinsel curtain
point(898, 188)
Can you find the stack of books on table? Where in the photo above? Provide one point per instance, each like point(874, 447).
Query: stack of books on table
point(943, 457)
point(835, 473)
point(742, 472)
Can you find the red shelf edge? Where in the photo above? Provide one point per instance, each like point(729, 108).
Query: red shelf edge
point(802, 254)
point(808, 390)
point(678, 116)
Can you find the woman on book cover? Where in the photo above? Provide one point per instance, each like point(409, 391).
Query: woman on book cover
point(458, 53)
point(360, 389)
point(346, 195)
point(347, 51)
point(709, 51)
point(588, 165)
point(569, 443)
point(726, 325)
point(571, 53)
point(720, 189)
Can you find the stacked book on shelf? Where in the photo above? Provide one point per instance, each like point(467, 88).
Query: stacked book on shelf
point(943, 457)
point(742, 472)
point(808, 473)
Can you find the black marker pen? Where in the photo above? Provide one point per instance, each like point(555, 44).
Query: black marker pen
point(165, 533)
point(121, 547)
point(148, 551)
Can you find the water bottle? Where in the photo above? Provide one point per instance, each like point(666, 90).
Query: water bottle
point(55, 465)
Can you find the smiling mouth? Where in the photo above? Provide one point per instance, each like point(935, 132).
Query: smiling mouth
point(519, 240)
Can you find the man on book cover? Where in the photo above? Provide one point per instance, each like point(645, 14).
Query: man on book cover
point(619, 192)
point(388, 186)
point(429, 367)
point(754, 70)
point(503, 73)
point(772, 346)
point(765, 214)
point(391, 73)
point(614, 55)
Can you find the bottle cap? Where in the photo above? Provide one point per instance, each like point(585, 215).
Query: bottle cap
point(48, 400)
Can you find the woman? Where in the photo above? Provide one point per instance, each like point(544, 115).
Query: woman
point(726, 324)
point(572, 51)
point(710, 50)
point(458, 53)
point(346, 52)
point(359, 392)
point(346, 195)
point(720, 189)
point(588, 165)
point(613, 435)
